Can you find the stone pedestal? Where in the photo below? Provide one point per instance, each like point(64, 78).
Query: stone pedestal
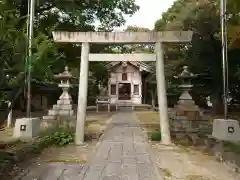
point(190, 113)
point(186, 106)
point(26, 128)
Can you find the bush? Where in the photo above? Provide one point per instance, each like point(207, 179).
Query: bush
point(232, 147)
point(156, 136)
point(58, 136)
point(5, 157)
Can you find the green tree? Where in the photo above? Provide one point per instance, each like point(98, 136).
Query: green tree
point(50, 58)
point(203, 54)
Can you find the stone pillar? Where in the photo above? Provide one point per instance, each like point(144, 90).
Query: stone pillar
point(162, 97)
point(82, 94)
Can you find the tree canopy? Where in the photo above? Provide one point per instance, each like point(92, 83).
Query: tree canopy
point(203, 54)
point(50, 58)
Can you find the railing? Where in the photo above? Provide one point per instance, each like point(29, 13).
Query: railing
point(103, 100)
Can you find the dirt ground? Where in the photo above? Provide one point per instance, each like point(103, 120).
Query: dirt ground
point(92, 116)
point(185, 163)
point(177, 163)
point(70, 154)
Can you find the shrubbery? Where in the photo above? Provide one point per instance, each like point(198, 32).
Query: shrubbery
point(58, 136)
point(156, 136)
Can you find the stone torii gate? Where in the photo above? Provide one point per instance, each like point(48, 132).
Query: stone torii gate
point(122, 38)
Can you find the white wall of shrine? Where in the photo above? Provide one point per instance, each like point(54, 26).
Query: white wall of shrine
point(134, 77)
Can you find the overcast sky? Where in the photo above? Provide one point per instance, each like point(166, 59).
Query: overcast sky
point(150, 11)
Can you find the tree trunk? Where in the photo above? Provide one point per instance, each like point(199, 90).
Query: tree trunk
point(156, 96)
point(153, 98)
point(217, 103)
point(144, 92)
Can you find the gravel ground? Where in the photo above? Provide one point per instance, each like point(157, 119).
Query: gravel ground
point(186, 164)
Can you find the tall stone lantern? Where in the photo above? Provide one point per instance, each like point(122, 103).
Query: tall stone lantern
point(186, 105)
point(64, 104)
point(65, 100)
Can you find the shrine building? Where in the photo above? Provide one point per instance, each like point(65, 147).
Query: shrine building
point(126, 83)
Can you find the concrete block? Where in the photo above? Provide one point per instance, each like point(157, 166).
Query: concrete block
point(27, 128)
point(179, 118)
point(68, 122)
point(55, 107)
point(62, 106)
point(49, 117)
point(65, 112)
point(66, 106)
point(52, 113)
point(226, 130)
point(64, 101)
point(47, 123)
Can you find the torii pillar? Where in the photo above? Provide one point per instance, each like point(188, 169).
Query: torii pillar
point(123, 38)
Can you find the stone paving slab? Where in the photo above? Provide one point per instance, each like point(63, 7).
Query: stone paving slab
point(123, 154)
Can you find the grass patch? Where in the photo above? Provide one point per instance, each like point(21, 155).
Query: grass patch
point(65, 161)
point(5, 157)
point(148, 117)
point(58, 136)
point(231, 147)
point(94, 128)
point(149, 120)
point(156, 136)
point(5, 133)
point(8, 145)
point(90, 122)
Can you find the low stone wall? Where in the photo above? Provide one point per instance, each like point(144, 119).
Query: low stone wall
point(186, 125)
point(191, 131)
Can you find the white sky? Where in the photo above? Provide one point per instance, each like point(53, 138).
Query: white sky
point(150, 11)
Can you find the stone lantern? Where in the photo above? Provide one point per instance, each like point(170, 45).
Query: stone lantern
point(65, 77)
point(64, 104)
point(186, 105)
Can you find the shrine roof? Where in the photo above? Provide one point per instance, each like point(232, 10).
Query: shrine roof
point(143, 66)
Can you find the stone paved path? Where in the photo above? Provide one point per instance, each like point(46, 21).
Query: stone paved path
point(122, 154)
